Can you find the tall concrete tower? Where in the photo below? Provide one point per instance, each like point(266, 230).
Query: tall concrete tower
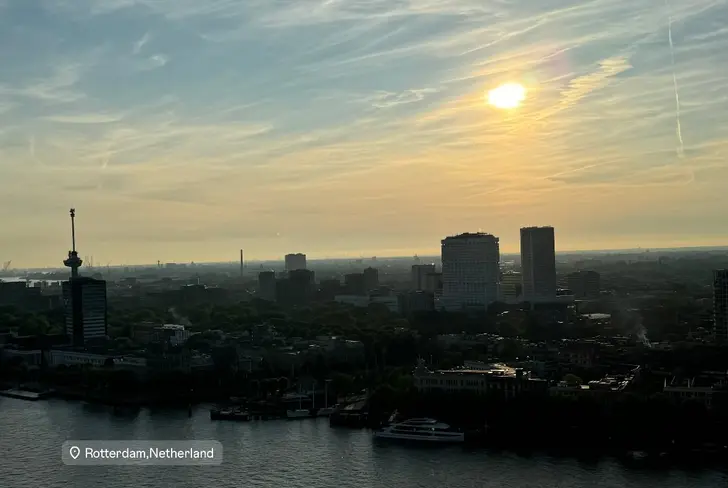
point(73, 261)
point(538, 263)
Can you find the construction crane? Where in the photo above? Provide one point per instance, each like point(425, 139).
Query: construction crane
point(6, 265)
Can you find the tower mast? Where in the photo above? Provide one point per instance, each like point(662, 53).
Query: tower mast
point(73, 261)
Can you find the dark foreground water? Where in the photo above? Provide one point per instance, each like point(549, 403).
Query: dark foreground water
point(290, 454)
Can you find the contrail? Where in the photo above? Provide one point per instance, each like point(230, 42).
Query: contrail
point(681, 146)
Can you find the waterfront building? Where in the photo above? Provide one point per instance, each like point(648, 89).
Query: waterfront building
point(497, 379)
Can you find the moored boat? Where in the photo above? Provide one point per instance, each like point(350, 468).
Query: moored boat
point(229, 414)
point(423, 430)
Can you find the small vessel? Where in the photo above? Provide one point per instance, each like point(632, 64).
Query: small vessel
point(326, 410)
point(421, 429)
point(300, 412)
point(229, 414)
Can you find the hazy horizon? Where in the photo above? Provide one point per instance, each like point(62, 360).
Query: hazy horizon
point(367, 259)
point(183, 129)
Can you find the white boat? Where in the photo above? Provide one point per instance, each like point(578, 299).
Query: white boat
point(422, 429)
point(326, 411)
point(299, 413)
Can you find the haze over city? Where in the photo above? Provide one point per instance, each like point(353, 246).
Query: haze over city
point(184, 130)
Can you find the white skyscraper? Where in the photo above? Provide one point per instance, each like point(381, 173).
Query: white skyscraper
point(720, 305)
point(470, 271)
point(538, 263)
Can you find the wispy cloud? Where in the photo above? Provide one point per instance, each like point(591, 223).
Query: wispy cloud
point(138, 45)
point(89, 118)
point(388, 99)
point(58, 88)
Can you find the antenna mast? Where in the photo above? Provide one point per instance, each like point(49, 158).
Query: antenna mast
point(73, 261)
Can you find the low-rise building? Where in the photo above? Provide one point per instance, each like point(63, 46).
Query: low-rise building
point(496, 379)
point(610, 385)
point(701, 388)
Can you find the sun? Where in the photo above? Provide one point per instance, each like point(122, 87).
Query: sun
point(507, 96)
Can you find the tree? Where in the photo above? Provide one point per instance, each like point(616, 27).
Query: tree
point(573, 380)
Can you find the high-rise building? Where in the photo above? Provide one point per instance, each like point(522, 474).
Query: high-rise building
point(296, 290)
point(302, 286)
point(470, 271)
point(267, 285)
point(371, 278)
point(419, 275)
point(511, 287)
point(295, 261)
point(583, 284)
point(538, 263)
point(84, 300)
point(720, 305)
point(433, 283)
point(355, 285)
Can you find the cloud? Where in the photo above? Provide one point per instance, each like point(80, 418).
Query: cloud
point(194, 122)
point(89, 118)
point(388, 99)
point(57, 88)
point(138, 45)
point(154, 62)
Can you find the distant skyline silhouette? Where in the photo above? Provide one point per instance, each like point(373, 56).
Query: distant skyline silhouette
point(185, 130)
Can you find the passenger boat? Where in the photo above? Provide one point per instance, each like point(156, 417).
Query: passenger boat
point(421, 429)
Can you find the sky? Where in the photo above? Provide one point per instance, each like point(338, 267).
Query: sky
point(184, 130)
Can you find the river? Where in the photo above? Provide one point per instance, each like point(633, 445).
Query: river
point(291, 454)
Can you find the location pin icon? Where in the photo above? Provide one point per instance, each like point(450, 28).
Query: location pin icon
point(74, 451)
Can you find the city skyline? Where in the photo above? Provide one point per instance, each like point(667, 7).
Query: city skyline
point(185, 131)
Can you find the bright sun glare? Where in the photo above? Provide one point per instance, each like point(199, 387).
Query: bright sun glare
point(509, 95)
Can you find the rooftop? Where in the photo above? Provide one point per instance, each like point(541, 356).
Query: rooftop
point(470, 235)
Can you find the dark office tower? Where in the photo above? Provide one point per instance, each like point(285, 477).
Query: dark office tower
point(354, 283)
point(371, 278)
point(433, 283)
point(304, 277)
point(299, 289)
point(84, 299)
point(295, 261)
point(720, 305)
point(267, 285)
point(538, 262)
point(583, 284)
